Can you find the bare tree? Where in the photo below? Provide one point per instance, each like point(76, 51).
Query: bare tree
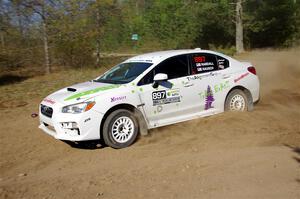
point(45, 40)
point(40, 8)
point(98, 25)
point(239, 37)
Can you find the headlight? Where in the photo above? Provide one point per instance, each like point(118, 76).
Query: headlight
point(78, 108)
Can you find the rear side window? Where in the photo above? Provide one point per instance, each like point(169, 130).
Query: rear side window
point(222, 63)
point(204, 62)
point(174, 67)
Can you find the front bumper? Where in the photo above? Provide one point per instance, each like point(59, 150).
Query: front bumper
point(87, 125)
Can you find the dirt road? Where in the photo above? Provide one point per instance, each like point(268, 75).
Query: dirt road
point(231, 155)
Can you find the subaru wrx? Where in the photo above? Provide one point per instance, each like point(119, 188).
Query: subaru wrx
point(149, 91)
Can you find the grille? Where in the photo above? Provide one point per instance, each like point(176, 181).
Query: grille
point(46, 110)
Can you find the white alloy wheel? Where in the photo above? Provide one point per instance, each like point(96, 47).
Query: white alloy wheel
point(122, 129)
point(237, 103)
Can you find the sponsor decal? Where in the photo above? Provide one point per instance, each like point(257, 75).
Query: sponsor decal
point(222, 86)
point(50, 101)
point(165, 97)
point(199, 59)
point(205, 69)
point(215, 89)
point(205, 64)
point(89, 92)
point(159, 109)
point(195, 77)
point(113, 99)
point(199, 77)
point(88, 119)
point(241, 77)
point(221, 63)
point(209, 98)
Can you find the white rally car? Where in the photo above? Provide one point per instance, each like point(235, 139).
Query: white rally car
point(149, 91)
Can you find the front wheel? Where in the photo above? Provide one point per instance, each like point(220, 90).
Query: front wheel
point(120, 129)
point(236, 101)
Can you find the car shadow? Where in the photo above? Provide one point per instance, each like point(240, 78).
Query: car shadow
point(11, 79)
point(88, 145)
point(297, 157)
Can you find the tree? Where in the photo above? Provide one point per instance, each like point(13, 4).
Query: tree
point(41, 8)
point(172, 23)
point(214, 24)
point(239, 38)
point(75, 32)
point(270, 24)
point(105, 26)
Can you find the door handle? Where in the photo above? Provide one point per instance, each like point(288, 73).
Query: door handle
point(188, 85)
point(226, 76)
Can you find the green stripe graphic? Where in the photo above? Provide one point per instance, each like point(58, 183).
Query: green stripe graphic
point(89, 92)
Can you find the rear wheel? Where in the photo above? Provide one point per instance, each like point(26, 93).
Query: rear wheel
point(120, 129)
point(236, 101)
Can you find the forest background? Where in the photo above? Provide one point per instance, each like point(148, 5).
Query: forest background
point(46, 35)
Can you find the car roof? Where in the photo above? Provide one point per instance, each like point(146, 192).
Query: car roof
point(156, 57)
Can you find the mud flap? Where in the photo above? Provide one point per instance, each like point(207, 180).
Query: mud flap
point(143, 128)
point(250, 100)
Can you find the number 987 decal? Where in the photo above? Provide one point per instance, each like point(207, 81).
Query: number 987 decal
point(165, 97)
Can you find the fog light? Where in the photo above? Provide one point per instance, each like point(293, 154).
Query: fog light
point(69, 125)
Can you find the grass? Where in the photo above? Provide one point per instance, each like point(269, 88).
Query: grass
point(25, 85)
point(36, 88)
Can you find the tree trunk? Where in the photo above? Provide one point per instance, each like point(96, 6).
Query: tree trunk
point(98, 37)
point(46, 48)
point(45, 39)
point(239, 28)
point(2, 41)
point(19, 18)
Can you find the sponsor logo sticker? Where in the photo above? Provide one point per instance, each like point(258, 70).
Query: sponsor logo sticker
point(113, 99)
point(50, 101)
point(241, 77)
point(209, 98)
point(165, 97)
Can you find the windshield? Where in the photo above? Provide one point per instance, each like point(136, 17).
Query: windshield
point(123, 73)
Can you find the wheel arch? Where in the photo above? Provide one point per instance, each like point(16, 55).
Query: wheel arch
point(248, 94)
point(143, 130)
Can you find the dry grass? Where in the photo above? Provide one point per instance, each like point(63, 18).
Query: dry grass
point(21, 93)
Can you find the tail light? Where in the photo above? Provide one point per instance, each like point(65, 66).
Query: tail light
point(252, 70)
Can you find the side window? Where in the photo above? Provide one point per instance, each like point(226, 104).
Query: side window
point(203, 62)
point(147, 79)
point(222, 63)
point(174, 67)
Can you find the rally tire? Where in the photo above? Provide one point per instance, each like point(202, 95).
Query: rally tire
point(120, 129)
point(236, 101)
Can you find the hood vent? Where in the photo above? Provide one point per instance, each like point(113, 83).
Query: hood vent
point(71, 89)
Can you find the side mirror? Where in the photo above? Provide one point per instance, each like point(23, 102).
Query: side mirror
point(159, 78)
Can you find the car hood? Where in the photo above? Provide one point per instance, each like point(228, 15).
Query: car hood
point(79, 92)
